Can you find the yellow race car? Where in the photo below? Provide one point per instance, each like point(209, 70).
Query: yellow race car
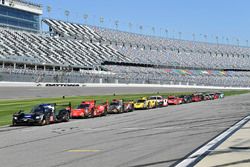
point(153, 103)
point(144, 103)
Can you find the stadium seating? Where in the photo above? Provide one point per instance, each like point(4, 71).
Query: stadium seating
point(159, 51)
point(54, 50)
point(177, 52)
point(70, 29)
point(135, 58)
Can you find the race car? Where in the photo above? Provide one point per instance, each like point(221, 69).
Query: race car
point(216, 96)
point(186, 98)
point(120, 106)
point(220, 94)
point(212, 96)
point(161, 102)
point(144, 103)
point(173, 100)
point(89, 109)
point(206, 97)
point(43, 114)
point(196, 97)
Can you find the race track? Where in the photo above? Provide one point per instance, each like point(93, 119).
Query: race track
point(158, 137)
point(43, 92)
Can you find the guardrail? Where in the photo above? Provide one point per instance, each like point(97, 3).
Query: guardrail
point(33, 84)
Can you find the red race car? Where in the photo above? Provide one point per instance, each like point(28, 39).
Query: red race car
point(196, 97)
point(89, 109)
point(173, 100)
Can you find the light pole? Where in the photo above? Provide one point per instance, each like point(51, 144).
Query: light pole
point(48, 10)
point(85, 17)
point(205, 37)
point(193, 35)
point(66, 12)
point(101, 20)
point(166, 31)
point(180, 33)
point(130, 26)
point(116, 24)
point(153, 30)
point(238, 41)
point(227, 39)
point(217, 40)
point(141, 28)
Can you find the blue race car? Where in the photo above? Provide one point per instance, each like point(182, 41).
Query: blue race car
point(43, 114)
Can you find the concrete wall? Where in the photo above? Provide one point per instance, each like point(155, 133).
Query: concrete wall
point(33, 84)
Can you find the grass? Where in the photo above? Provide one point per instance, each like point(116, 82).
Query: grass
point(8, 107)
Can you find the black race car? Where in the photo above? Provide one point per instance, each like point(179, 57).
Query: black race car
point(120, 106)
point(43, 114)
point(186, 98)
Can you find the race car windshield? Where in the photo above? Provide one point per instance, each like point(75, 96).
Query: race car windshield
point(114, 103)
point(153, 98)
point(40, 109)
point(140, 101)
point(171, 98)
point(82, 106)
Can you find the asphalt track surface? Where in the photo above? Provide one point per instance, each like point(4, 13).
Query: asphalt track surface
point(43, 92)
point(158, 137)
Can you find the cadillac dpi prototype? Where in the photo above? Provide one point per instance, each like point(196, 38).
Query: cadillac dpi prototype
point(43, 114)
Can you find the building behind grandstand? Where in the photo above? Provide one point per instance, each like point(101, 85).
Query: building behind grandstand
point(72, 52)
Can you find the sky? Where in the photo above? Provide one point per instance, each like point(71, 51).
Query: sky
point(223, 21)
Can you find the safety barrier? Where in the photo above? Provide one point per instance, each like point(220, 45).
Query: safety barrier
point(33, 84)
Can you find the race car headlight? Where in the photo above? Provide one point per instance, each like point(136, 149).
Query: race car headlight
point(15, 118)
point(38, 117)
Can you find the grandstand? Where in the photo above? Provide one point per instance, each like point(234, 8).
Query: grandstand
point(72, 52)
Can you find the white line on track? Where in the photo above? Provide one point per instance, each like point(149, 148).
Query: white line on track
point(195, 157)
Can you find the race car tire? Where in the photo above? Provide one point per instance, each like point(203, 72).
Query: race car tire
point(86, 116)
point(92, 113)
point(66, 117)
point(14, 123)
point(43, 122)
point(121, 110)
point(105, 112)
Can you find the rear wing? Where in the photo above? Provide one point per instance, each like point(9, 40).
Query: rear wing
point(67, 106)
point(89, 101)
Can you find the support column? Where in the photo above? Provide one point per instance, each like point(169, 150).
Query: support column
point(25, 66)
point(36, 67)
point(3, 64)
point(14, 66)
point(44, 68)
